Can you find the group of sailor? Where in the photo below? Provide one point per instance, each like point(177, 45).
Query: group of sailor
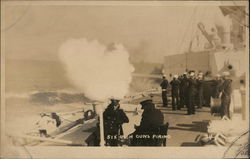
point(188, 90)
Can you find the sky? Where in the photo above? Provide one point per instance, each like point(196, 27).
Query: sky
point(148, 32)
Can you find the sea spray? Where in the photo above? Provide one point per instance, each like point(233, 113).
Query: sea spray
point(99, 71)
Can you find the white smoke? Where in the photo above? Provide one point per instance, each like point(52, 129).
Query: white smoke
point(98, 71)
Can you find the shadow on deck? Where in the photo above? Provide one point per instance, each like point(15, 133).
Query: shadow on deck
point(198, 126)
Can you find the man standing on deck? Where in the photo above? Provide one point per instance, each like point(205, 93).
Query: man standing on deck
point(200, 83)
point(191, 94)
point(226, 90)
point(113, 118)
point(183, 90)
point(164, 86)
point(217, 85)
point(56, 118)
point(46, 125)
point(175, 93)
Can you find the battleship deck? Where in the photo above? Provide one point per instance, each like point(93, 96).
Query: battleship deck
point(183, 129)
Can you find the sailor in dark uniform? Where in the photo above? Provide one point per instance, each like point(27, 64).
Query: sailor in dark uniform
point(175, 92)
point(200, 83)
point(164, 86)
point(226, 90)
point(191, 94)
point(57, 118)
point(217, 85)
point(113, 118)
point(183, 90)
point(151, 121)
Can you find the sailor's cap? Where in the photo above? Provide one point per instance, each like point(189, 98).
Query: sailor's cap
point(175, 76)
point(146, 101)
point(191, 74)
point(114, 100)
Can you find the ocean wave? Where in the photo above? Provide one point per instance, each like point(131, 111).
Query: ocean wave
point(50, 97)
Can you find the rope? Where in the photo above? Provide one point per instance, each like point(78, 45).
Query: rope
point(187, 28)
point(61, 118)
point(199, 19)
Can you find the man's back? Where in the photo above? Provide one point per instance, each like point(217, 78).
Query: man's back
point(175, 85)
point(227, 87)
point(151, 119)
point(192, 86)
point(151, 122)
point(164, 84)
point(184, 84)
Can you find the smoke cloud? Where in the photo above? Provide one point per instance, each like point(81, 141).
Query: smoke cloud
point(99, 71)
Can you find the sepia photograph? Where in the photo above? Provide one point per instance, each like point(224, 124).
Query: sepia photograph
point(124, 79)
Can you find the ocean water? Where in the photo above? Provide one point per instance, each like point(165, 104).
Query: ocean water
point(33, 87)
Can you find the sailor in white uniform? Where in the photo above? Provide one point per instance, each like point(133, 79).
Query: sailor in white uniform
point(46, 125)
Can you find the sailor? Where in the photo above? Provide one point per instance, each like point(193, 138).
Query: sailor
point(113, 118)
point(183, 90)
point(152, 119)
point(200, 83)
point(226, 90)
point(45, 125)
point(56, 118)
point(175, 92)
point(191, 93)
point(164, 86)
point(218, 83)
